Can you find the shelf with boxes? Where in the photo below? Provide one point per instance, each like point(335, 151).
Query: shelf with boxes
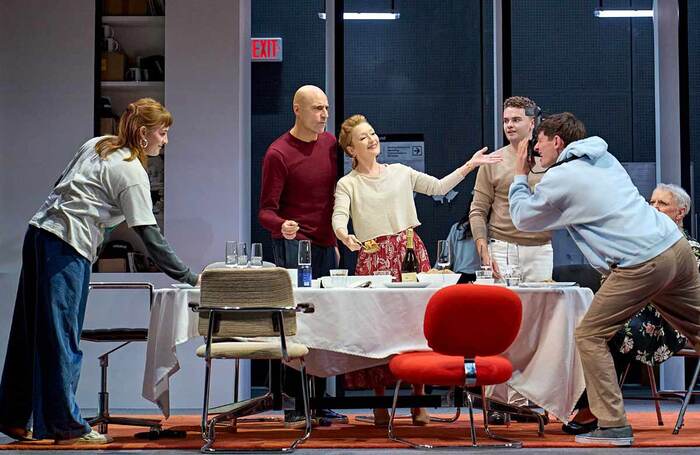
point(132, 66)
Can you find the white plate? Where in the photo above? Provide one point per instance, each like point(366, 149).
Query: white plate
point(548, 284)
point(410, 284)
point(183, 286)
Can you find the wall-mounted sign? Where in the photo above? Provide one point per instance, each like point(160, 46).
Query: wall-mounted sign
point(266, 49)
point(408, 149)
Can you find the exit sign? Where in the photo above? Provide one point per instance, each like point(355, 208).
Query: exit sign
point(266, 49)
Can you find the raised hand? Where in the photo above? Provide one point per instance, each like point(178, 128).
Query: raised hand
point(480, 158)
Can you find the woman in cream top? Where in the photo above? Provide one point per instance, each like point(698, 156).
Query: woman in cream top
point(379, 199)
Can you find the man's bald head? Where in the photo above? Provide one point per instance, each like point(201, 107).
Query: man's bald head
point(306, 93)
point(310, 106)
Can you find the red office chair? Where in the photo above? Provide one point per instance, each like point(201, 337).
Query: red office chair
point(467, 326)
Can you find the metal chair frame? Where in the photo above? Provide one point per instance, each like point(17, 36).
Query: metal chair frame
point(470, 380)
point(103, 417)
point(681, 396)
point(253, 405)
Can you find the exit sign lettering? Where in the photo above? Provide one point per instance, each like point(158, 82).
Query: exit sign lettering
point(266, 49)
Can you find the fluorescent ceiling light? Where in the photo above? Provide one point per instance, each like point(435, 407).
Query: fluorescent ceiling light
point(366, 16)
point(624, 13)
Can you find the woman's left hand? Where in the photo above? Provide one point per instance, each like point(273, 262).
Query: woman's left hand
point(480, 158)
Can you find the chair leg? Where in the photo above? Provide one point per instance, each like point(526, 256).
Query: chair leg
point(103, 418)
point(208, 433)
point(623, 376)
point(452, 419)
point(390, 430)
point(655, 394)
point(686, 400)
point(305, 391)
point(509, 443)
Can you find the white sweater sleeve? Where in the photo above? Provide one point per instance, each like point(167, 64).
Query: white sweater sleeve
point(427, 184)
point(341, 209)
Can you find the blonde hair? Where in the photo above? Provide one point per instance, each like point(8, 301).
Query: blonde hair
point(345, 136)
point(145, 112)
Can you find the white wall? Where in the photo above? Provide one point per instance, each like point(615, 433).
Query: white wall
point(46, 112)
point(207, 162)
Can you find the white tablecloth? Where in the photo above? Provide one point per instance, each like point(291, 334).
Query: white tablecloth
point(358, 328)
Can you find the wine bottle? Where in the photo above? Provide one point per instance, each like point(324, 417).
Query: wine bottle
point(409, 265)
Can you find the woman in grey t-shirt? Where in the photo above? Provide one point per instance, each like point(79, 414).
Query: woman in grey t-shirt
point(104, 184)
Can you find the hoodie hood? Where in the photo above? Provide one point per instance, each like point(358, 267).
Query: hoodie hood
point(591, 147)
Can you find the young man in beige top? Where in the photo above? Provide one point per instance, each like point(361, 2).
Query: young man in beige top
point(498, 242)
point(489, 217)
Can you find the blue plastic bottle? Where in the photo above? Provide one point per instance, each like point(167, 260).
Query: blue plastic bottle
point(304, 275)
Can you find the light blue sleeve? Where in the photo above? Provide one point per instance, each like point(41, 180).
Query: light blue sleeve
point(534, 212)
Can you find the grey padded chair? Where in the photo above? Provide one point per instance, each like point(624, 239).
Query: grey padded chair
point(236, 304)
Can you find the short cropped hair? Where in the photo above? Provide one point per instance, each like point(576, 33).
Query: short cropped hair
point(519, 102)
point(679, 194)
point(564, 125)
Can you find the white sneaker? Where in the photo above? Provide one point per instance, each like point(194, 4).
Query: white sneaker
point(89, 438)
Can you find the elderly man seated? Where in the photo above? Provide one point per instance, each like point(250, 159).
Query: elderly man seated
point(646, 337)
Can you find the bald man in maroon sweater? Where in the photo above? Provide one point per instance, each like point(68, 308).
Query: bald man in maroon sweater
point(298, 181)
point(296, 202)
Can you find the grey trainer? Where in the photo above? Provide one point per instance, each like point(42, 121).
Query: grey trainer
point(617, 436)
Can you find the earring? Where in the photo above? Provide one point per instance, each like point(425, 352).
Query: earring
point(143, 143)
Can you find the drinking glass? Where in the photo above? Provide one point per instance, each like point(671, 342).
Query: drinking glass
point(231, 253)
point(514, 276)
point(242, 254)
point(386, 273)
point(339, 278)
point(484, 276)
point(256, 255)
point(304, 252)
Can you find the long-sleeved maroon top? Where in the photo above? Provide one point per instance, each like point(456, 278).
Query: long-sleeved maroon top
point(298, 183)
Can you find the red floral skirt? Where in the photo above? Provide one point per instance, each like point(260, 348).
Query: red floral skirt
point(392, 249)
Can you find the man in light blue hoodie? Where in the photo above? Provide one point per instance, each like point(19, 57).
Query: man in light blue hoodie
point(647, 259)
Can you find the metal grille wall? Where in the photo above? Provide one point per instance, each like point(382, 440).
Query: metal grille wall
point(602, 70)
point(273, 84)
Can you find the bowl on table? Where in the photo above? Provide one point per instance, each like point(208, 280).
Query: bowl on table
point(440, 278)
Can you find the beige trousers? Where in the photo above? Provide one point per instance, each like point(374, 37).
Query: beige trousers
point(671, 282)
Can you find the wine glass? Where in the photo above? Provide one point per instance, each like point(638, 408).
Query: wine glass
point(443, 256)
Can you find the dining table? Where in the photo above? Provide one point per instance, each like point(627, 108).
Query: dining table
point(351, 329)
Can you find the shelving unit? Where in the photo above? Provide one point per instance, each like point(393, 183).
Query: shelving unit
point(139, 38)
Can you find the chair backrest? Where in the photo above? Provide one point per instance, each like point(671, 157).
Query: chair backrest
point(470, 320)
point(584, 274)
point(232, 287)
point(222, 264)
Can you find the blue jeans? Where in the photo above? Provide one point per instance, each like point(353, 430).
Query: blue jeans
point(42, 363)
point(286, 253)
